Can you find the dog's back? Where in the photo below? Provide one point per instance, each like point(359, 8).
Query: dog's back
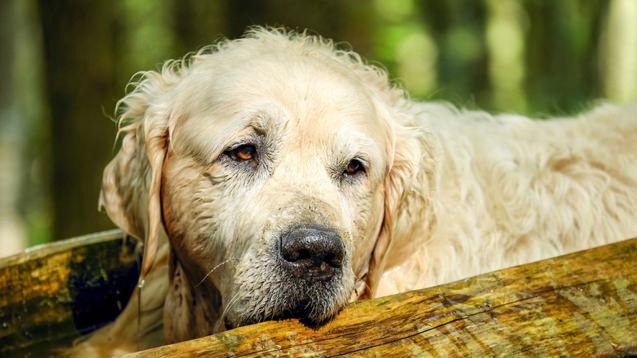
point(511, 190)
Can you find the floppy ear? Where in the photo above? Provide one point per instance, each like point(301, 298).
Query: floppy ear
point(132, 180)
point(404, 159)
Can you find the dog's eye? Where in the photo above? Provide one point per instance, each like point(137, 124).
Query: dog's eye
point(354, 167)
point(243, 153)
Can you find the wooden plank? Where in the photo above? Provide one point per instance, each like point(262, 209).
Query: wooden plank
point(54, 293)
point(581, 304)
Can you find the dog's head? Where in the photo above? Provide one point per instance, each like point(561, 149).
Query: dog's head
point(273, 164)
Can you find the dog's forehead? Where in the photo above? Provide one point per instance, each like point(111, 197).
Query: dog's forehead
point(303, 85)
point(319, 100)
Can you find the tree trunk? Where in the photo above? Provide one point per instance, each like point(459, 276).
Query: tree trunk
point(197, 23)
point(339, 20)
point(80, 51)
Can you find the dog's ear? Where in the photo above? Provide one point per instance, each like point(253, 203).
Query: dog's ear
point(132, 180)
point(404, 157)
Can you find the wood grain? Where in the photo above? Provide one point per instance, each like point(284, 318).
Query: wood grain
point(54, 293)
point(581, 304)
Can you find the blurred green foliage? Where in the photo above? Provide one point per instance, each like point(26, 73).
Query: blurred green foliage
point(66, 62)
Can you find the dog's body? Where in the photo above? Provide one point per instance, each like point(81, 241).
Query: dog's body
point(510, 190)
point(286, 141)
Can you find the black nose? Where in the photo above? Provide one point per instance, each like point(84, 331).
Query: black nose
point(312, 252)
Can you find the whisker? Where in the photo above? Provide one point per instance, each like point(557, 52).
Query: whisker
point(231, 302)
point(211, 271)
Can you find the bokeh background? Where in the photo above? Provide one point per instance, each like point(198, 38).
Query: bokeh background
point(64, 64)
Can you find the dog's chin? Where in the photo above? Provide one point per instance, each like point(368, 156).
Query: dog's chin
point(313, 305)
point(301, 311)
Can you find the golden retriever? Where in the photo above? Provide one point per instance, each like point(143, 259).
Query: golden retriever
point(278, 176)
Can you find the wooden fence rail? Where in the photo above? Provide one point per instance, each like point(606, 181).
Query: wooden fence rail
point(580, 304)
point(54, 293)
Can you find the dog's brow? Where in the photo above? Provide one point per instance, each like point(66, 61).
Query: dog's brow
point(260, 122)
point(258, 129)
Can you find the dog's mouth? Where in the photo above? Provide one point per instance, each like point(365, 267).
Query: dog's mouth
point(300, 312)
point(228, 325)
point(313, 304)
point(306, 275)
point(304, 310)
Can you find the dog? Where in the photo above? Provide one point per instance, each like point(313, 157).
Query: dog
point(278, 176)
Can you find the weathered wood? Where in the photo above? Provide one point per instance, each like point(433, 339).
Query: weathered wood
point(581, 304)
point(54, 293)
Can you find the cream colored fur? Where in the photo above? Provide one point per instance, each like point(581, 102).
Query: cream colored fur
point(449, 193)
point(509, 190)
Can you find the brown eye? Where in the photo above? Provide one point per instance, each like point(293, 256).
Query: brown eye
point(354, 167)
point(243, 153)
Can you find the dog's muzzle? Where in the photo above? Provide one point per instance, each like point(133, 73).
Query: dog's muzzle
point(306, 280)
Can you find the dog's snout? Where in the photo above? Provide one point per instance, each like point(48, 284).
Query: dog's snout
point(313, 252)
